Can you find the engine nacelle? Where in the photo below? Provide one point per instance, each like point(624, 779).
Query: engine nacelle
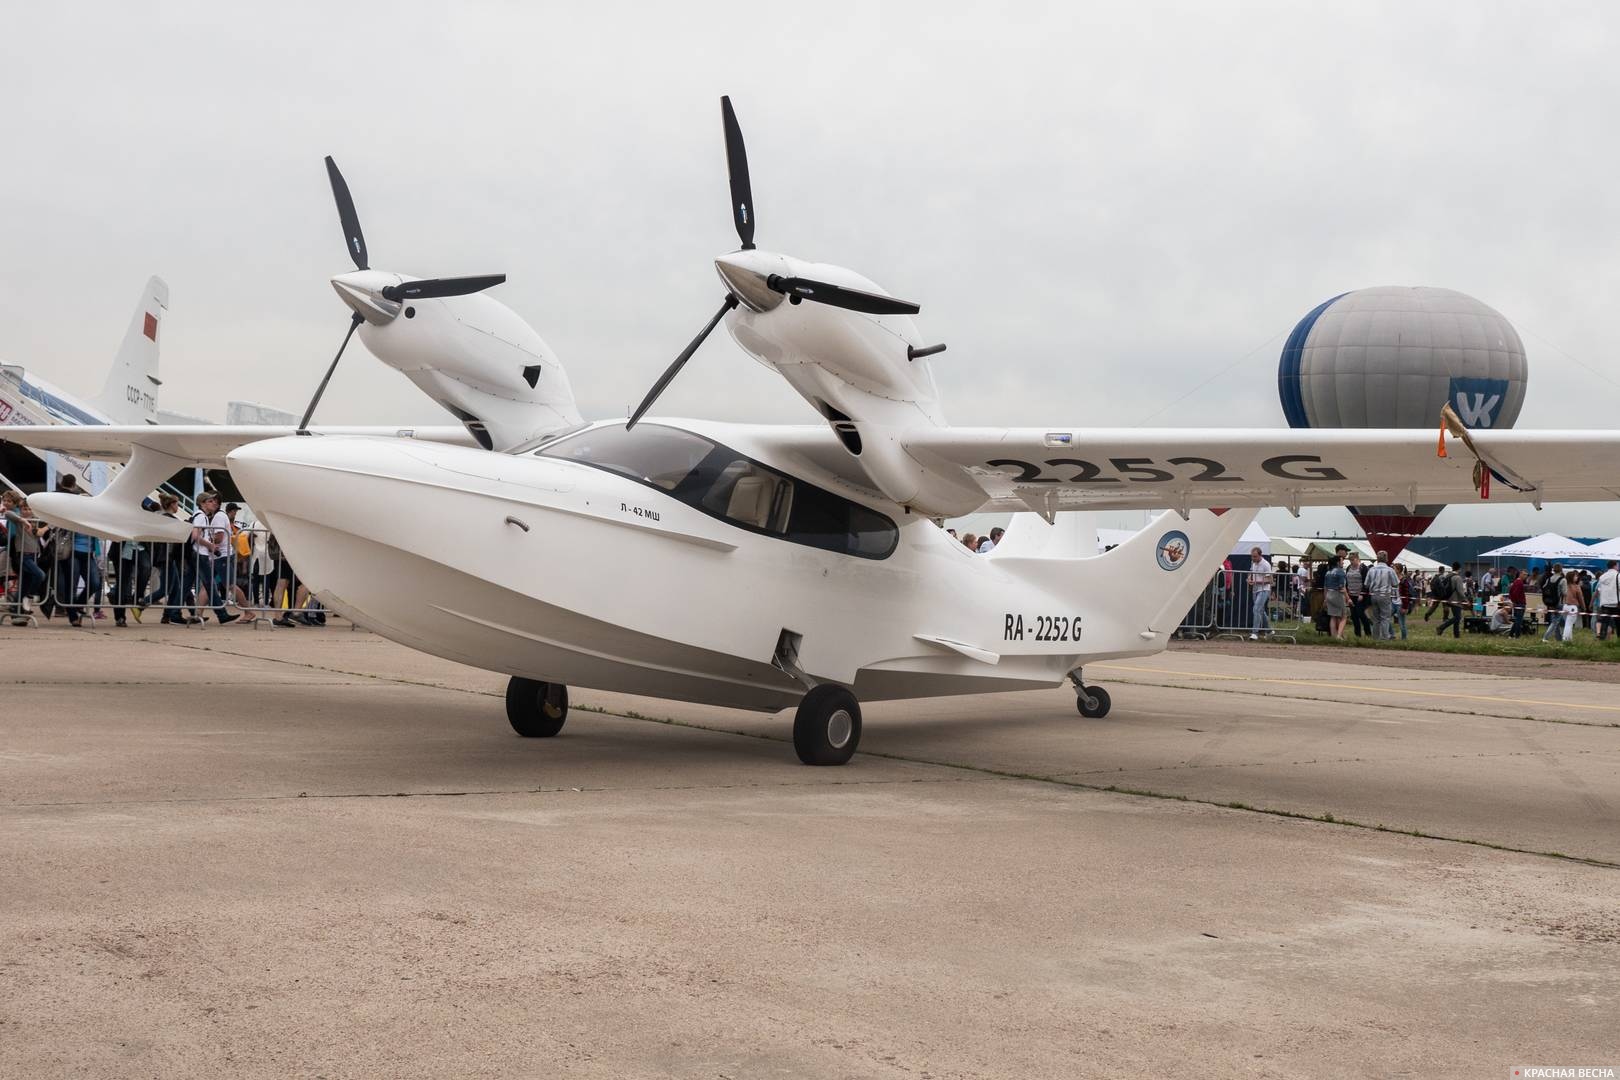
point(472, 354)
point(859, 371)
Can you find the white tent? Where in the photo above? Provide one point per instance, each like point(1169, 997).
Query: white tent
point(1609, 549)
point(1417, 563)
point(1290, 547)
point(1253, 537)
point(1546, 546)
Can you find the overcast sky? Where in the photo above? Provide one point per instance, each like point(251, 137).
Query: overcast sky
point(1099, 207)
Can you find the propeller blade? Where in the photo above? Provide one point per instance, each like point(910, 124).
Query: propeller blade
point(352, 236)
point(429, 288)
point(680, 361)
point(823, 292)
point(742, 194)
point(354, 322)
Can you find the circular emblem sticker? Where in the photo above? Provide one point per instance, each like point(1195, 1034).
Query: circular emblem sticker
point(1173, 549)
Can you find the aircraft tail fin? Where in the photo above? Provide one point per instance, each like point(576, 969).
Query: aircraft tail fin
point(1135, 595)
point(130, 393)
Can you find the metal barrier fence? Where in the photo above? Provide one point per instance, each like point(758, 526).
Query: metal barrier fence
point(1235, 605)
point(89, 579)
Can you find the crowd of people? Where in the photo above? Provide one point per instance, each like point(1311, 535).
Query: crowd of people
point(980, 544)
point(222, 564)
point(1346, 594)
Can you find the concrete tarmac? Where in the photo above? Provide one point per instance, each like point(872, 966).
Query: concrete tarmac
point(314, 853)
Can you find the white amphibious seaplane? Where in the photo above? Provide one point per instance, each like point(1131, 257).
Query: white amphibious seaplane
point(767, 567)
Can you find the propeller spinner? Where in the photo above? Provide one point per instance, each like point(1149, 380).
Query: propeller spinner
point(360, 295)
point(750, 277)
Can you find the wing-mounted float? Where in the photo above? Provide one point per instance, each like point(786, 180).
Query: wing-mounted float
point(467, 351)
point(850, 349)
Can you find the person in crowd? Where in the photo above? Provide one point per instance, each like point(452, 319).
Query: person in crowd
point(1518, 597)
point(970, 541)
point(1487, 583)
point(988, 544)
point(128, 586)
point(261, 570)
point(1554, 587)
point(74, 558)
point(1606, 598)
point(1260, 594)
point(172, 564)
point(211, 541)
point(1302, 586)
point(22, 545)
point(1355, 594)
point(1333, 598)
point(1573, 603)
point(1501, 616)
point(1383, 590)
point(1446, 588)
point(1403, 597)
point(289, 590)
point(241, 552)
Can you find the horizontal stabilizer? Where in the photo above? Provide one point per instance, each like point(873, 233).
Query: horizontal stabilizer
point(983, 656)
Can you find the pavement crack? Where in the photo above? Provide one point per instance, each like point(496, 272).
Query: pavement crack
point(308, 796)
point(1373, 689)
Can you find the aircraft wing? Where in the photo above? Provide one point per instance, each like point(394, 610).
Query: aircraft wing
point(152, 454)
point(1050, 470)
point(195, 444)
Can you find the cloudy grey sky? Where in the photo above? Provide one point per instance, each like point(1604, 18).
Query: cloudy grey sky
point(1100, 207)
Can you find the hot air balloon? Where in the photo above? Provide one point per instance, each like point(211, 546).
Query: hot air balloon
point(1391, 357)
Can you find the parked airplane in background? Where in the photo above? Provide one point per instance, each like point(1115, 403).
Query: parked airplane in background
point(128, 396)
point(768, 566)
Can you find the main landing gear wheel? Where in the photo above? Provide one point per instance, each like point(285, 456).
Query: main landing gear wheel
point(1093, 702)
point(536, 709)
point(827, 727)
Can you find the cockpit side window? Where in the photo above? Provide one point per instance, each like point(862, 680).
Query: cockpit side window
point(661, 456)
point(727, 485)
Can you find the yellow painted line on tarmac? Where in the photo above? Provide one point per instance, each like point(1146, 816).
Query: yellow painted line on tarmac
point(1363, 689)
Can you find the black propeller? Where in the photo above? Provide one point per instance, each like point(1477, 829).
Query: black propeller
point(742, 193)
point(428, 288)
point(424, 289)
point(796, 289)
point(353, 238)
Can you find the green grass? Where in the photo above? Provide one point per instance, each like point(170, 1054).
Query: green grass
point(1423, 639)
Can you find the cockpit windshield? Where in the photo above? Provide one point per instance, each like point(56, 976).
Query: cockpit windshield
point(727, 485)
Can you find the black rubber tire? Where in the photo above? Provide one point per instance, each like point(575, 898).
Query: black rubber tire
point(537, 710)
point(827, 727)
point(1093, 702)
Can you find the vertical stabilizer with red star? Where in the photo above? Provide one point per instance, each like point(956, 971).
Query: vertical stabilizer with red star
point(130, 394)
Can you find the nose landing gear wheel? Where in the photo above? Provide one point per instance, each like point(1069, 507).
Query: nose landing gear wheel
point(827, 727)
point(537, 710)
point(1093, 702)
